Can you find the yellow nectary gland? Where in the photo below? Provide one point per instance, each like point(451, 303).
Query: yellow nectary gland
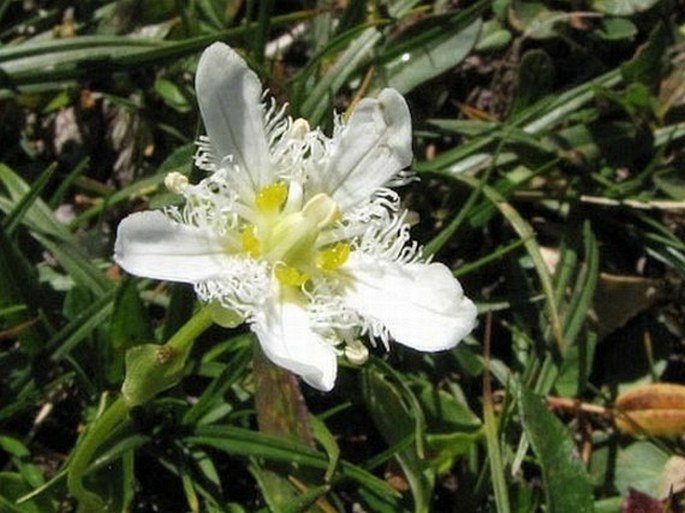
point(289, 275)
point(334, 257)
point(272, 197)
point(251, 243)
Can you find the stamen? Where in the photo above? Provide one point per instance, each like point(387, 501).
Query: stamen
point(299, 128)
point(175, 182)
point(289, 275)
point(271, 197)
point(333, 257)
point(251, 244)
point(356, 352)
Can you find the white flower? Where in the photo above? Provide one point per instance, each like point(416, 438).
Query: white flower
point(297, 233)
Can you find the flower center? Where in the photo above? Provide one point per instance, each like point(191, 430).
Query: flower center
point(288, 239)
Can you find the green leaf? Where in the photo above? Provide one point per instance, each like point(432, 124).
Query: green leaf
point(212, 403)
point(51, 61)
point(647, 64)
point(12, 487)
point(579, 351)
point(445, 413)
point(259, 35)
point(535, 78)
point(616, 29)
point(173, 95)
point(539, 118)
point(320, 99)
point(323, 435)
point(21, 459)
point(307, 79)
point(180, 309)
point(446, 448)
point(78, 265)
point(19, 286)
point(535, 20)
point(623, 7)
point(428, 58)
point(38, 215)
point(526, 234)
point(567, 483)
point(13, 218)
point(307, 499)
point(392, 418)
point(130, 324)
point(640, 466)
point(491, 428)
point(128, 327)
point(49, 232)
point(493, 36)
point(671, 182)
point(179, 161)
point(81, 326)
point(278, 492)
point(245, 442)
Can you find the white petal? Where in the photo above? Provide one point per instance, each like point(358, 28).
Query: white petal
point(422, 305)
point(372, 148)
point(152, 245)
point(230, 99)
point(284, 332)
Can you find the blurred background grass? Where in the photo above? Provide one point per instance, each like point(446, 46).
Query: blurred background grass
point(549, 143)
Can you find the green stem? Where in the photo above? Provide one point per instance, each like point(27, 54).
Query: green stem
point(149, 370)
point(96, 435)
point(183, 339)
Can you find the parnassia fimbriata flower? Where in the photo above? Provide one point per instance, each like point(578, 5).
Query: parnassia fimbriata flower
point(297, 233)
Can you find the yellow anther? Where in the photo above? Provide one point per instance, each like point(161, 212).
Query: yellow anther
point(272, 197)
point(333, 257)
point(251, 243)
point(288, 275)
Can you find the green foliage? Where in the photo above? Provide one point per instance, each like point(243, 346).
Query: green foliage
point(548, 138)
point(391, 409)
point(567, 484)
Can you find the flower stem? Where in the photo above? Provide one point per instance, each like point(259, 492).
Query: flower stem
point(182, 340)
point(150, 369)
point(96, 435)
